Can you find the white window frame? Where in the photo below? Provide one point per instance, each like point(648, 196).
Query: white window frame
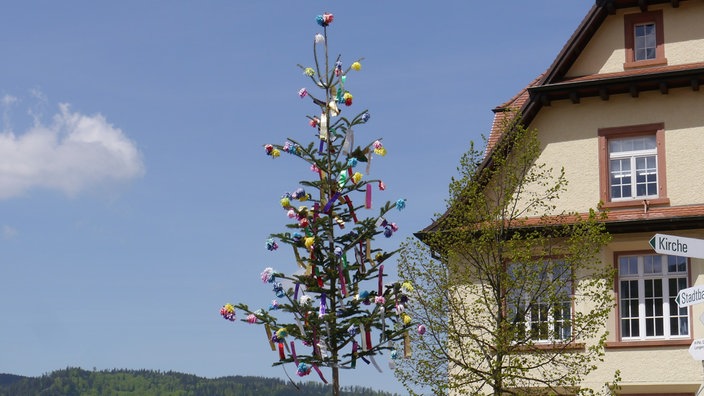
point(533, 324)
point(644, 273)
point(633, 156)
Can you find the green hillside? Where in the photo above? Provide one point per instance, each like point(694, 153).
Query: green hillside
point(79, 382)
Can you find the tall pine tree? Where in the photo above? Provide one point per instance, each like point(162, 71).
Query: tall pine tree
point(332, 306)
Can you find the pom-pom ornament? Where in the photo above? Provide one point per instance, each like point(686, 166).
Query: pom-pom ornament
point(325, 19)
point(268, 275)
point(400, 204)
point(228, 312)
point(356, 66)
point(303, 369)
point(272, 151)
point(271, 244)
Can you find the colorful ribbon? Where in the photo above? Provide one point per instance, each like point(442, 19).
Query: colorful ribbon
point(329, 204)
point(268, 336)
point(368, 198)
point(351, 208)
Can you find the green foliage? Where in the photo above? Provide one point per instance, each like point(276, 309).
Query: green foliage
point(497, 277)
point(78, 382)
point(333, 293)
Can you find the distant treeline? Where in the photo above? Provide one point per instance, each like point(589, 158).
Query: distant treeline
point(79, 382)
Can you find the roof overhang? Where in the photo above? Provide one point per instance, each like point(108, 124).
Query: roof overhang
point(612, 5)
point(619, 83)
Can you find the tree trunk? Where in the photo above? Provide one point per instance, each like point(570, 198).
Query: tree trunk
point(335, 381)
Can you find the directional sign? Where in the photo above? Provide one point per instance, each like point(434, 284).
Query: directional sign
point(697, 349)
point(677, 246)
point(690, 296)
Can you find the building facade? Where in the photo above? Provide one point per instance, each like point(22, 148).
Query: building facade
point(622, 111)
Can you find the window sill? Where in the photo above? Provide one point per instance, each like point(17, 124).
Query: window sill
point(636, 203)
point(645, 63)
point(648, 344)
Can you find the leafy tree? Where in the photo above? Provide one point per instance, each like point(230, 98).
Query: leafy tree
point(338, 297)
point(513, 295)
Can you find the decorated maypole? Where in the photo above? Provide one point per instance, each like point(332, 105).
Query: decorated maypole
point(334, 308)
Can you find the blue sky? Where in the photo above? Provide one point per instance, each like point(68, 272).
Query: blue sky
point(135, 196)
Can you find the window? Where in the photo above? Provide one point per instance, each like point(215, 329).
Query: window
point(644, 45)
point(540, 300)
point(647, 287)
point(632, 165)
point(644, 39)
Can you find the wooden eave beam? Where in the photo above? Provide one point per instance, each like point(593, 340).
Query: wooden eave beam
point(604, 93)
point(634, 91)
point(663, 87)
point(695, 84)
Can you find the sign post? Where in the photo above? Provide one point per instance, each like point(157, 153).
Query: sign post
point(690, 296)
point(677, 246)
point(697, 349)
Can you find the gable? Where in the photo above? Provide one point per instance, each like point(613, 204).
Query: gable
point(683, 40)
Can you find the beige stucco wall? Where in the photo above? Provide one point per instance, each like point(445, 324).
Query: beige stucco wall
point(652, 369)
point(684, 40)
point(568, 134)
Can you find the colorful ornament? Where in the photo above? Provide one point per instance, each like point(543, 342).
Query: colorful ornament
point(421, 329)
point(268, 275)
point(325, 19)
point(308, 71)
point(305, 300)
point(272, 151)
point(365, 117)
point(228, 312)
point(379, 148)
point(279, 290)
point(303, 369)
point(271, 244)
point(302, 93)
point(347, 98)
point(357, 177)
point(251, 319)
point(319, 38)
point(356, 66)
point(401, 204)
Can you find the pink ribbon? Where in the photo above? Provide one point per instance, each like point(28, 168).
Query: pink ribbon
point(351, 208)
point(293, 353)
point(343, 283)
point(317, 370)
point(368, 199)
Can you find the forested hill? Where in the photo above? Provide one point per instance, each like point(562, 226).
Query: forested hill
point(79, 382)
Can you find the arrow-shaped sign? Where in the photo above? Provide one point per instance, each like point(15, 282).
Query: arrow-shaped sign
point(677, 246)
point(690, 296)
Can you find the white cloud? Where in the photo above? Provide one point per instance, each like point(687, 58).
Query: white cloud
point(72, 154)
